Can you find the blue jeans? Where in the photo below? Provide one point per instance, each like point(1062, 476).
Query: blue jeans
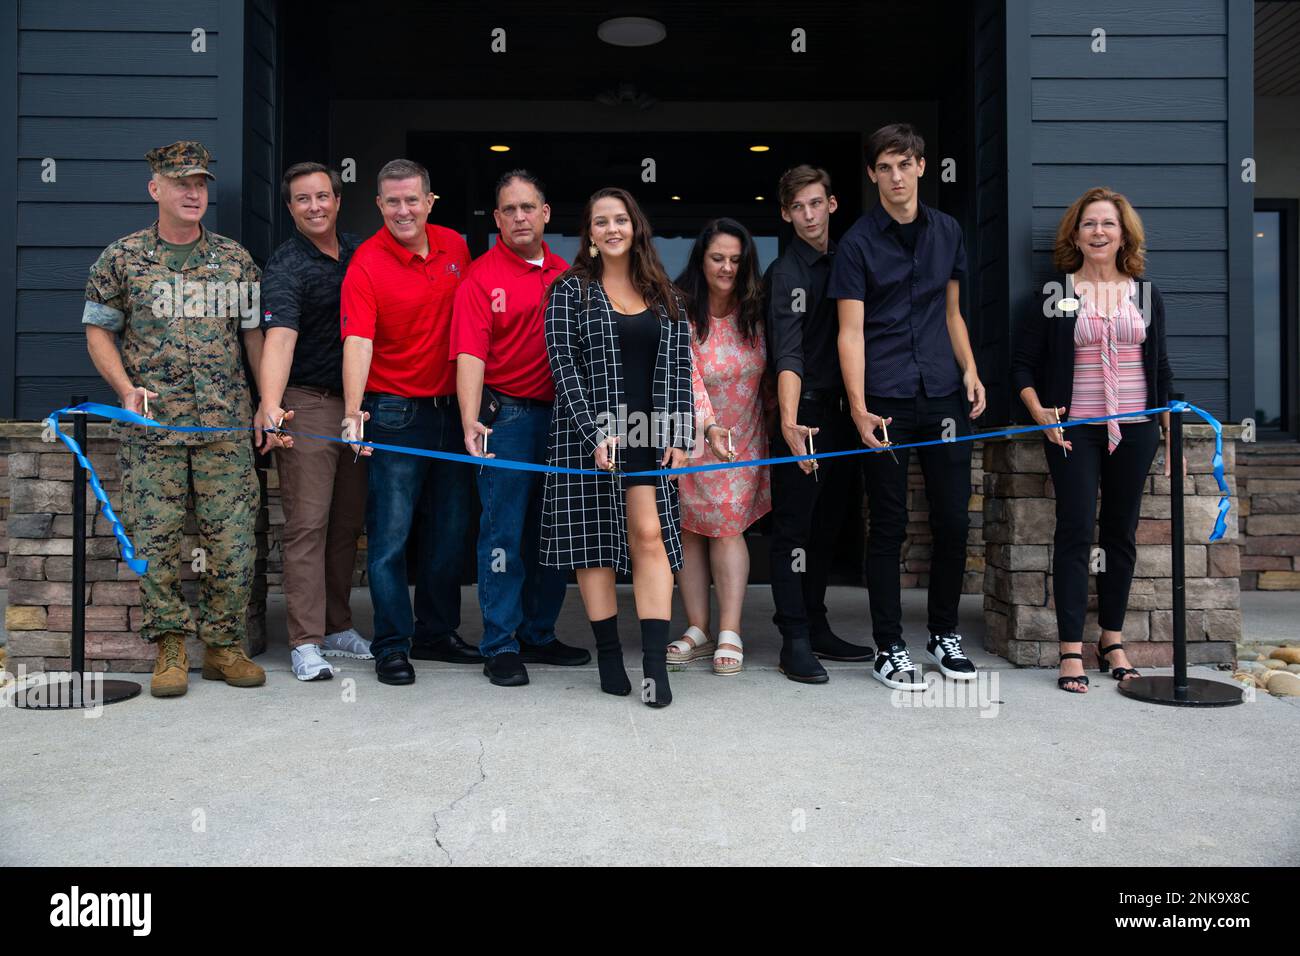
point(430, 497)
point(520, 598)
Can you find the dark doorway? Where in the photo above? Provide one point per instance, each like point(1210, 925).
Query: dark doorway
point(810, 81)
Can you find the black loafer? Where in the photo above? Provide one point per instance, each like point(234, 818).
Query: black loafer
point(394, 669)
point(554, 653)
point(506, 670)
point(831, 648)
point(449, 649)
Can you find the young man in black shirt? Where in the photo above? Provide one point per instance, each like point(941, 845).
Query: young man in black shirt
point(907, 364)
point(811, 500)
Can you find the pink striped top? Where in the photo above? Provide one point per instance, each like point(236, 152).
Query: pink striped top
point(1089, 395)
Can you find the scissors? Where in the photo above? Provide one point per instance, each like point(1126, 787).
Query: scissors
point(885, 428)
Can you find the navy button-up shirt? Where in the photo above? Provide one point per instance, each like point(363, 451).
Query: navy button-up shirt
point(904, 292)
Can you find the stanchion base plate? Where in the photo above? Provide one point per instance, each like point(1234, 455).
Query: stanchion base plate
point(63, 692)
point(1200, 692)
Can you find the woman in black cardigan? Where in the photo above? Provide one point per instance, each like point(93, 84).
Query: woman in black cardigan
point(1102, 353)
point(620, 353)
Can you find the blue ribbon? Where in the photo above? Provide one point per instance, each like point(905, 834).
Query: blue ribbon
point(1221, 519)
point(114, 413)
point(138, 565)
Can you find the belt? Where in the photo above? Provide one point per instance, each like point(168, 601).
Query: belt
point(437, 401)
point(505, 399)
point(825, 396)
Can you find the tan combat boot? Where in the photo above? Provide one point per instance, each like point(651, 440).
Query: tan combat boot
point(232, 665)
point(171, 674)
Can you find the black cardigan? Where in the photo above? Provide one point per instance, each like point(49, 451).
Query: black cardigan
point(1044, 357)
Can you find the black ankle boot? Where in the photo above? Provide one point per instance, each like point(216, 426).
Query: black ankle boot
point(609, 657)
point(798, 662)
point(654, 662)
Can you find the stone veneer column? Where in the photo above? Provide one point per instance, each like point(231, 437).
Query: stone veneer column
point(1019, 523)
point(39, 536)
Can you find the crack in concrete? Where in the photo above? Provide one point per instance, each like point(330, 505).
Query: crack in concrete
point(437, 825)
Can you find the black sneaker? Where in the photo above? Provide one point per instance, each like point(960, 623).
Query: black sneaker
point(945, 650)
point(506, 670)
point(554, 652)
point(894, 668)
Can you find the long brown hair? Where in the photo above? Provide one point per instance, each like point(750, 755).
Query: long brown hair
point(1131, 259)
point(645, 270)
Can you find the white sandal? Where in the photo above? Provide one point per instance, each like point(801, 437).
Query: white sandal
point(691, 646)
point(734, 653)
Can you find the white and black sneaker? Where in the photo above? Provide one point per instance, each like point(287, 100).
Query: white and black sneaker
point(894, 668)
point(945, 650)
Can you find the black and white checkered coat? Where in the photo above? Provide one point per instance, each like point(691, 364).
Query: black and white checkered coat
point(584, 517)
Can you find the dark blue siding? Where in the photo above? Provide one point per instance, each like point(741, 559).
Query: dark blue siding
point(96, 86)
point(1156, 116)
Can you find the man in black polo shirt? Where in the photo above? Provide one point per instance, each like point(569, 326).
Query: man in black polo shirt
point(322, 487)
point(907, 365)
point(811, 501)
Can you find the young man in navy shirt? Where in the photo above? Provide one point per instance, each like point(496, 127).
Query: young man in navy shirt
point(907, 364)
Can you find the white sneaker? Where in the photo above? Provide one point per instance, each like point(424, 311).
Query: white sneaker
point(347, 644)
point(309, 665)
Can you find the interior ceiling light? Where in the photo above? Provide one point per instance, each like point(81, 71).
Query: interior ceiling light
point(759, 198)
point(631, 31)
point(759, 149)
point(499, 149)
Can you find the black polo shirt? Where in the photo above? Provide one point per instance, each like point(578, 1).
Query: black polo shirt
point(802, 325)
point(904, 292)
point(300, 291)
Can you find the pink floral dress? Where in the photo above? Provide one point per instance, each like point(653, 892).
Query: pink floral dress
point(727, 374)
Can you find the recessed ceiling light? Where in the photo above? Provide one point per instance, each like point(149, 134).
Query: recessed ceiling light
point(1259, 235)
point(499, 149)
point(677, 197)
point(758, 148)
point(631, 31)
point(759, 198)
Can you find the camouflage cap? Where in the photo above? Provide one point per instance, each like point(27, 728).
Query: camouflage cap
point(183, 158)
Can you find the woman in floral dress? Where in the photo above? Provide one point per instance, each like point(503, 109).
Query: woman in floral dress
point(724, 301)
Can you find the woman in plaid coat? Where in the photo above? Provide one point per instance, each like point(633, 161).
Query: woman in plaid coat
point(617, 336)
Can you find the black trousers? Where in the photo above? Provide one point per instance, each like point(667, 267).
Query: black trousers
point(946, 469)
point(1076, 477)
point(807, 515)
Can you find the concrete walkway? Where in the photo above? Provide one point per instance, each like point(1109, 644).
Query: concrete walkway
point(745, 770)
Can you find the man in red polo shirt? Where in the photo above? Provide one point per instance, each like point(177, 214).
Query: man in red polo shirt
point(396, 321)
point(504, 382)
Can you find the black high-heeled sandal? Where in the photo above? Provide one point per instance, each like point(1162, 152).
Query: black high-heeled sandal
point(1119, 673)
point(1081, 679)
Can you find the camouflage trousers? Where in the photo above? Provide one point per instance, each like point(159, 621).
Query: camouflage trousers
point(156, 481)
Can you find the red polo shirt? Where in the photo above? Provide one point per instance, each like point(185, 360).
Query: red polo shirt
point(499, 314)
point(403, 303)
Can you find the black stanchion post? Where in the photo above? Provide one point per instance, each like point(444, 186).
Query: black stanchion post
point(1177, 564)
point(77, 662)
point(1178, 689)
point(77, 690)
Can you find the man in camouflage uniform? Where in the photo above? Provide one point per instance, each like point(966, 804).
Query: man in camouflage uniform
point(163, 309)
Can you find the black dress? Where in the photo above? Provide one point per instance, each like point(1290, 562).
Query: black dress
point(638, 343)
